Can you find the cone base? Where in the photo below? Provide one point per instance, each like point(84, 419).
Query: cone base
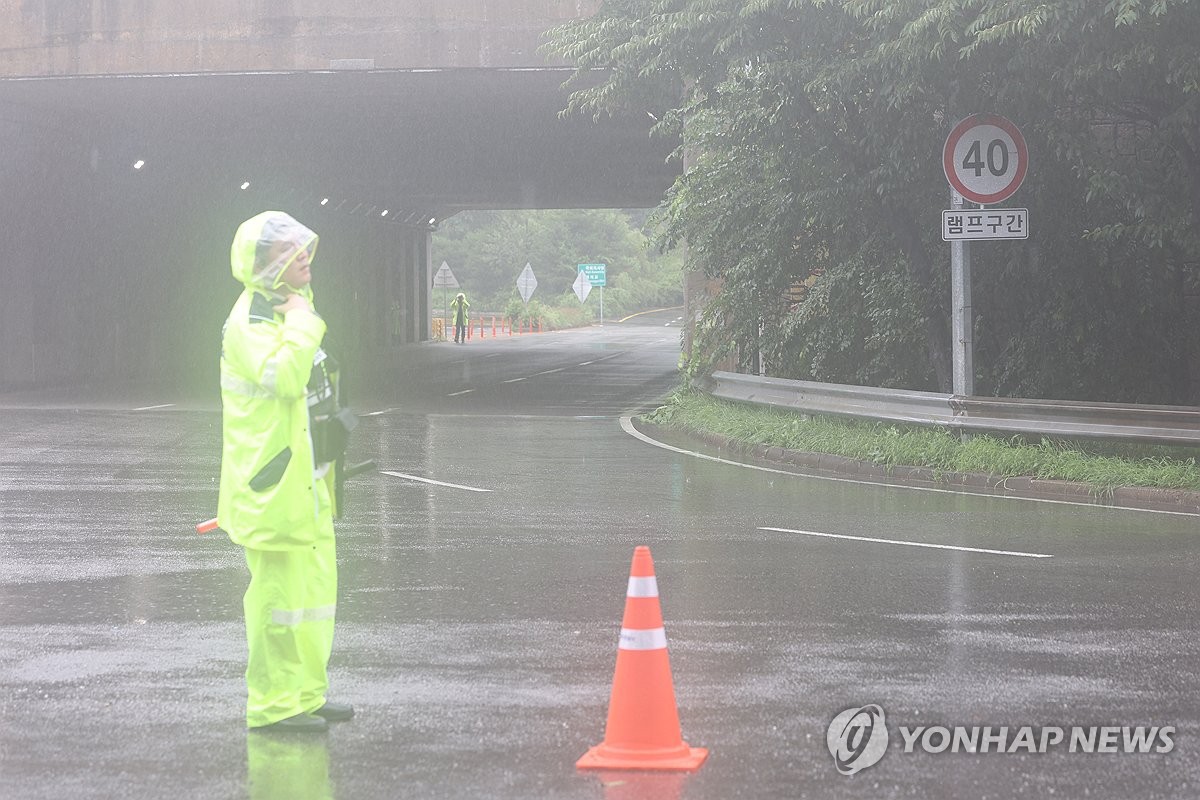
point(683, 758)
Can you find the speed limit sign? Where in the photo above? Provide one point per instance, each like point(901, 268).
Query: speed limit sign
point(985, 158)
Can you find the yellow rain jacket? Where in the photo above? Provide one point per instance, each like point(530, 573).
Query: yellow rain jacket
point(269, 499)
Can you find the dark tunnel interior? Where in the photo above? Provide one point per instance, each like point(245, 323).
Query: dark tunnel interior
point(121, 196)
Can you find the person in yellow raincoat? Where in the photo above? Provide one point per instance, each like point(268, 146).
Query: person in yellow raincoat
point(275, 493)
point(458, 311)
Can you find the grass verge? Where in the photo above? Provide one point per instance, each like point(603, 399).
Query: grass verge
point(1103, 467)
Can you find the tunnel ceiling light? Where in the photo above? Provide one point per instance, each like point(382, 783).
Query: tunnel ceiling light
point(324, 201)
point(139, 164)
point(433, 220)
point(245, 185)
point(384, 214)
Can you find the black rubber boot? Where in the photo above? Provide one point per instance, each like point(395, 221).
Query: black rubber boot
point(335, 712)
point(300, 723)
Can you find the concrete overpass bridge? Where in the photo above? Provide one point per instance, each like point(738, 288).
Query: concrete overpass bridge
point(137, 135)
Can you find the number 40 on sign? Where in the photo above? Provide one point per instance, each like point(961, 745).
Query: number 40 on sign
point(985, 158)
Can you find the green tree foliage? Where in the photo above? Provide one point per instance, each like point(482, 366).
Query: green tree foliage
point(811, 135)
point(488, 249)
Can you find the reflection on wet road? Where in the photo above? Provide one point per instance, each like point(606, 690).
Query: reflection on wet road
point(477, 629)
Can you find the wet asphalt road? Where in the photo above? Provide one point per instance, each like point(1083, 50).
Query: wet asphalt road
point(477, 630)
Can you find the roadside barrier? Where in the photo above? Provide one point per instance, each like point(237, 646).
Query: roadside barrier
point(1177, 425)
point(643, 730)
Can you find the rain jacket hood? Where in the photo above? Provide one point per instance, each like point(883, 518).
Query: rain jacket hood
point(263, 248)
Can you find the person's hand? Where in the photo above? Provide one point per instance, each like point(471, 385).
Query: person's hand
point(293, 302)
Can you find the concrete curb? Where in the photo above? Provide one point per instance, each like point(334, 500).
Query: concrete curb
point(1133, 497)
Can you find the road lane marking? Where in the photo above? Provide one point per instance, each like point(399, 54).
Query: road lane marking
point(376, 413)
point(430, 480)
point(514, 380)
point(605, 358)
point(456, 394)
point(627, 426)
point(152, 408)
point(912, 544)
point(651, 311)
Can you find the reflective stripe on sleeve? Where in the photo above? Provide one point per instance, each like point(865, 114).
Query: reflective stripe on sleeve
point(642, 587)
point(232, 383)
point(633, 639)
point(284, 616)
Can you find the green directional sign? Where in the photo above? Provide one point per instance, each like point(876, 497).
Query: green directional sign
point(594, 272)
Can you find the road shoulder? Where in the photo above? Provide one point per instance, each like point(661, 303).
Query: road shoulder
point(826, 465)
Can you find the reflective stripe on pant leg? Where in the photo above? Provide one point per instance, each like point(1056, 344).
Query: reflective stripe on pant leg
point(289, 629)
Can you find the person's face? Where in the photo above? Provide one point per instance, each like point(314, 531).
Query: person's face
point(299, 273)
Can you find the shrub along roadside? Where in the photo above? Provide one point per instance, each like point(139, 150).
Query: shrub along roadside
point(1102, 467)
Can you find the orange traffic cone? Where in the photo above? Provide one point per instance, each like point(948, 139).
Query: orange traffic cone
point(643, 723)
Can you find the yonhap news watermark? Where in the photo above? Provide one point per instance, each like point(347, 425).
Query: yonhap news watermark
point(859, 737)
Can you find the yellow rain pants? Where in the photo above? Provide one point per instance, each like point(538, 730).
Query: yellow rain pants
point(290, 607)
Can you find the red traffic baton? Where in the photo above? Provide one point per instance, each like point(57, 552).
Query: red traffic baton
point(207, 527)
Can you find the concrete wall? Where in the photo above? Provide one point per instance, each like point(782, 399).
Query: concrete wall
point(88, 37)
point(52, 290)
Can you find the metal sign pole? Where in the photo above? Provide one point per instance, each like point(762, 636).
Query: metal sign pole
point(962, 349)
point(601, 305)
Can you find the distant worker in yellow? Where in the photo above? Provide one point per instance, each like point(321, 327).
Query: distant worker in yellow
point(458, 310)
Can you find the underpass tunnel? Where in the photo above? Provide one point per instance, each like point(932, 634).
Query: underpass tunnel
point(120, 198)
point(113, 272)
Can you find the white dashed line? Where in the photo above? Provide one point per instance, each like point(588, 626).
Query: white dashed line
point(912, 544)
point(435, 483)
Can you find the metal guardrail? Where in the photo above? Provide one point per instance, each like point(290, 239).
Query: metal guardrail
point(1179, 425)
